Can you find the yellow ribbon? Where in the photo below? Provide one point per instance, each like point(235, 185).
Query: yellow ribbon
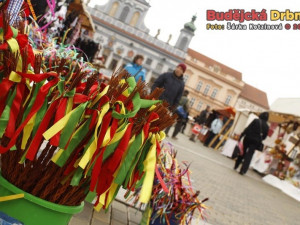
point(57, 155)
point(149, 168)
point(27, 131)
point(14, 47)
point(11, 197)
point(92, 148)
point(69, 105)
point(13, 76)
point(100, 95)
point(58, 126)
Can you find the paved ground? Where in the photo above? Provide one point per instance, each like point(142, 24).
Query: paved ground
point(234, 199)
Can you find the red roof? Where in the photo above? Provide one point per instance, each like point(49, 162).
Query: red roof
point(255, 95)
point(210, 62)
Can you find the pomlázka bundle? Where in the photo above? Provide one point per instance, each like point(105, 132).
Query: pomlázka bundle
point(64, 135)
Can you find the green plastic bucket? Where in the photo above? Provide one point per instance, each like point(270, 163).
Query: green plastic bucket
point(32, 210)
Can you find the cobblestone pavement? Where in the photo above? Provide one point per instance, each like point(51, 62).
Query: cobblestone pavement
point(233, 199)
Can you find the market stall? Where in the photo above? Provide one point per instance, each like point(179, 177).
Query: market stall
point(69, 136)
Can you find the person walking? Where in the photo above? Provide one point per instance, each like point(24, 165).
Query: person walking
point(215, 129)
point(173, 85)
point(135, 68)
point(182, 112)
point(184, 123)
point(254, 134)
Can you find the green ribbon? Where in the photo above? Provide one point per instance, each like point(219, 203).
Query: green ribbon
point(6, 112)
point(71, 124)
point(32, 100)
point(75, 141)
point(40, 116)
point(136, 161)
point(77, 177)
point(131, 154)
point(90, 196)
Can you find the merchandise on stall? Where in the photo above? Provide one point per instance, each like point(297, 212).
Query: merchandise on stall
point(65, 136)
point(173, 201)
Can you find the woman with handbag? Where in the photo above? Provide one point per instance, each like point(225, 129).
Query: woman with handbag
point(254, 134)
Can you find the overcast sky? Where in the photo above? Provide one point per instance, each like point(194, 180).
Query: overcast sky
point(268, 60)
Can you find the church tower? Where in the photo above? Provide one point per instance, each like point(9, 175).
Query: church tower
point(186, 35)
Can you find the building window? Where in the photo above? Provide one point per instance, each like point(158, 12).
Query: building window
point(149, 61)
point(134, 19)
point(183, 43)
point(206, 90)
point(214, 93)
point(124, 14)
point(185, 78)
point(192, 101)
point(113, 64)
point(159, 67)
point(113, 9)
point(227, 101)
point(199, 85)
point(199, 106)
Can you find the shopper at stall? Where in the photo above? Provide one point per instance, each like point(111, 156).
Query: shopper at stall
point(135, 68)
point(254, 134)
point(200, 119)
point(215, 129)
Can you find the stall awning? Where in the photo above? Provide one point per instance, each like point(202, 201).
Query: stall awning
point(87, 21)
point(228, 112)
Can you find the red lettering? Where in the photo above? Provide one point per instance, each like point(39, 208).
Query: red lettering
point(210, 15)
point(220, 16)
point(242, 16)
point(236, 15)
point(247, 16)
point(228, 15)
point(254, 15)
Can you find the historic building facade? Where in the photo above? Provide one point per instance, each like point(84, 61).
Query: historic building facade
point(252, 99)
point(210, 83)
point(121, 31)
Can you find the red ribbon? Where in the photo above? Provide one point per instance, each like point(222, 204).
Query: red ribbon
point(23, 43)
point(9, 34)
point(161, 181)
point(15, 110)
point(80, 98)
point(37, 140)
point(97, 167)
point(112, 163)
point(60, 113)
point(36, 106)
point(5, 85)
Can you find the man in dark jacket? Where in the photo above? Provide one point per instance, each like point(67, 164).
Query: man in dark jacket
point(254, 134)
point(173, 84)
point(203, 116)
